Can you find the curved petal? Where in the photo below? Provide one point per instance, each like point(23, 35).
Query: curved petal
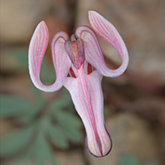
point(93, 52)
point(109, 33)
point(61, 60)
point(37, 50)
point(87, 97)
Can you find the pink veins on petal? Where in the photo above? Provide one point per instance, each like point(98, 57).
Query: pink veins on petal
point(79, 65)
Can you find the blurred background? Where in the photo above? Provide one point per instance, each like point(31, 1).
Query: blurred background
point(38, 128)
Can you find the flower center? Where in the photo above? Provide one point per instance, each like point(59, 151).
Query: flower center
point(75, 51)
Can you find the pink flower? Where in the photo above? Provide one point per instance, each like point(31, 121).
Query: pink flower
point(80, 66)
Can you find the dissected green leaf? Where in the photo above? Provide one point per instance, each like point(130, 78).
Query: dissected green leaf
point(40, 152)
point(12, 106)
point(57, 136)
point(128, 159)
point(29, 115)
point(16, 141)
point(44, 153)
point(43, 124)
point(58, 104)
point(70, 124)
point(68, 118)
point(37, 93)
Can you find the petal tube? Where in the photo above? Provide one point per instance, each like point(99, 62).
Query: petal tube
point(37, 48)
point(87, 97)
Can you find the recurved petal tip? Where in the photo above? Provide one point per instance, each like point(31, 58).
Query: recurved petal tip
point(90, 12)
point(37, 49)
point(110, 34)
point(42, 23)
